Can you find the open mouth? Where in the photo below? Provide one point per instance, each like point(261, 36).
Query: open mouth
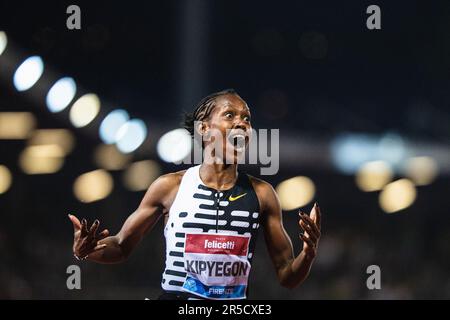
point(238, 141)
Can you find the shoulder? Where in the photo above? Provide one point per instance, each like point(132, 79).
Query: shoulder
point(265, 192)
point(170, 180)
point(163, 190)
point(261, 186)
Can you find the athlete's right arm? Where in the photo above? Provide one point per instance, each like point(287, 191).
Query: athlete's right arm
point(102, 248)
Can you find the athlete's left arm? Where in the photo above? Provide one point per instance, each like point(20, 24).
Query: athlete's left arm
point(291, 270)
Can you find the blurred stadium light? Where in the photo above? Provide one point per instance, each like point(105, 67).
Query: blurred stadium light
point(350, 151)
point(93, 186)
point(174, 145)
point(46, 148)
point(139, 175)
point(84, 110)
point(3, 41)
point(421, 170)
point(296, 192)
point(373, 175)
point(5, 179)
point(397, 195)
point(61, 94)
point(111, 125)
point(42, 159)
point(392, 148)
point(60, 137)
point(106, 156)
point(28, 73)
point(16, 125)
point(131, 135)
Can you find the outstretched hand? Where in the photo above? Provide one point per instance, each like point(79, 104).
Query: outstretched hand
point(310, 224)
point(86, 240)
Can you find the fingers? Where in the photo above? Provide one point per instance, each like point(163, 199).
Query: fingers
point(88, 240)
point(84, 228)
point(93, 229)
point(316, 214)
point(311, 226)
point(103, 234)
point(309, 231)
point(99, 247)
point(85, 231)
point(307, 240)
point(91, 233)
point(85, 252)
point(76, 223)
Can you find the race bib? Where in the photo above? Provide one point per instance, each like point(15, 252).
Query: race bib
point(216, 265)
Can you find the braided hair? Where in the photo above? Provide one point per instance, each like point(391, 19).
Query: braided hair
point(203, 109)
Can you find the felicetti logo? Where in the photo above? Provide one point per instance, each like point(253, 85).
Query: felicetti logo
point(216, 244)
point(219, 245)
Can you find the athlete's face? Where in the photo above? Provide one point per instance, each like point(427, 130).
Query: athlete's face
point(230, 124)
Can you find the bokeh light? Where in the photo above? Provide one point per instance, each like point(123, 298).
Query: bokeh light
point(111, 125)
point(174, 145)
point(84, 110)
point(61, 137)
point(16, 125)
point(3, 41)
point(28, 73)
point(93, 186)
point(5, 179)
point(421, 170)
point(41, 159)
point(108, 157)
point(131, 135)
point(397, 195)
point(373, 175)
point(139, 175)
point(296, 192)
point(61, 94)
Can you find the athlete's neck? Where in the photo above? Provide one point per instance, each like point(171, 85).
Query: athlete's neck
point(218, 176)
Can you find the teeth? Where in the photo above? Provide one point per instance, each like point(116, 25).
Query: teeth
point(238, 141)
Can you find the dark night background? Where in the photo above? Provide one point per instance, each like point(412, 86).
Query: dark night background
point(312, 69)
